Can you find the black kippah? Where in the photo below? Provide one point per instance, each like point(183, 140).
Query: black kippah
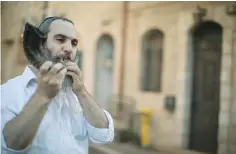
point(45, 24)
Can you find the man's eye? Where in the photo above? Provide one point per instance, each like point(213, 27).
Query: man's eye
point(74, 43)
point(61, 40)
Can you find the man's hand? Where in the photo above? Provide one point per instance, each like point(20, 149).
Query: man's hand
point(50, 78)
point(92, 112)
point(76, 74)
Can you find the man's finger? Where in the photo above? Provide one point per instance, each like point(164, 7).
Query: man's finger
point(62, 72)
point(45, 67)
point(72, 74)
point(74, 69)
point(56, 68)
point(69, 63)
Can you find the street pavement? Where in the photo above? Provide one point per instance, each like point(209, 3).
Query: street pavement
point(116, 148)
point(95, 151)
point(104, 150)
point(126, 151)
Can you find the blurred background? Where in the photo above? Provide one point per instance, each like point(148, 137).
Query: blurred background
point(166, 71)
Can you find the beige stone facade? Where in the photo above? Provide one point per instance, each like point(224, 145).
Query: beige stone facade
point(175, 20)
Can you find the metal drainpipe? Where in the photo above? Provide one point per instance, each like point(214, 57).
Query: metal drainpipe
point(233, 16)
point(123, 47)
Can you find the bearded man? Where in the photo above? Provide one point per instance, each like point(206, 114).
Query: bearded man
point(47, 109)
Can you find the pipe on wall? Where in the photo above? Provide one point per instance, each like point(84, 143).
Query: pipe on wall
point(124, 17)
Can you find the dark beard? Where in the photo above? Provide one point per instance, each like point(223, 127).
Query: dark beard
point(63, 59)
point(56, 59)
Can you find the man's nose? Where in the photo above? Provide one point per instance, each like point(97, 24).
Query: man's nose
point(68, 47)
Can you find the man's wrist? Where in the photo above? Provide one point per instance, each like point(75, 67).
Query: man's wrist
point(43, 99)
point(82, 92)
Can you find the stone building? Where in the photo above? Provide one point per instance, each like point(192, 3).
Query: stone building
point(183, 51)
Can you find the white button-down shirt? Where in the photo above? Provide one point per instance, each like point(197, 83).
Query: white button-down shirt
point(59, 132)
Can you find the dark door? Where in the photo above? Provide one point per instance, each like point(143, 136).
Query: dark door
point(206, 87)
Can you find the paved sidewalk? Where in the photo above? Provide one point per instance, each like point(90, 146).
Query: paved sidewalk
point(128, 148)
point(122, 148)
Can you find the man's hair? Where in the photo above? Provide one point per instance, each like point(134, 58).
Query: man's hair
point(45, 24)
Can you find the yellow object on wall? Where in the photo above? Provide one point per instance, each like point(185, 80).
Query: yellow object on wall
point(145, 120)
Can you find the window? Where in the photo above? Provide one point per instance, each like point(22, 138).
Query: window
point(151, 61)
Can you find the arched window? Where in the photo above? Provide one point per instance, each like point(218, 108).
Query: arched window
point(151, 60)
point(104, 70)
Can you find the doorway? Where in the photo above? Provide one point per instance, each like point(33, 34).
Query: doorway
point(207, 49)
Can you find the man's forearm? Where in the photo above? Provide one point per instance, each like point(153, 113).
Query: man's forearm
point(20, 131)
point(92, 112)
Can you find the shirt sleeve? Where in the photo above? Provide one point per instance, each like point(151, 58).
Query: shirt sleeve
point(101, 135)
point(9, 111)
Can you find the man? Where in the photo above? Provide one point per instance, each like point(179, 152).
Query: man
point(41, 114)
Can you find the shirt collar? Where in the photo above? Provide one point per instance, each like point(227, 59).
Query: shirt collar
point(28, 75)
